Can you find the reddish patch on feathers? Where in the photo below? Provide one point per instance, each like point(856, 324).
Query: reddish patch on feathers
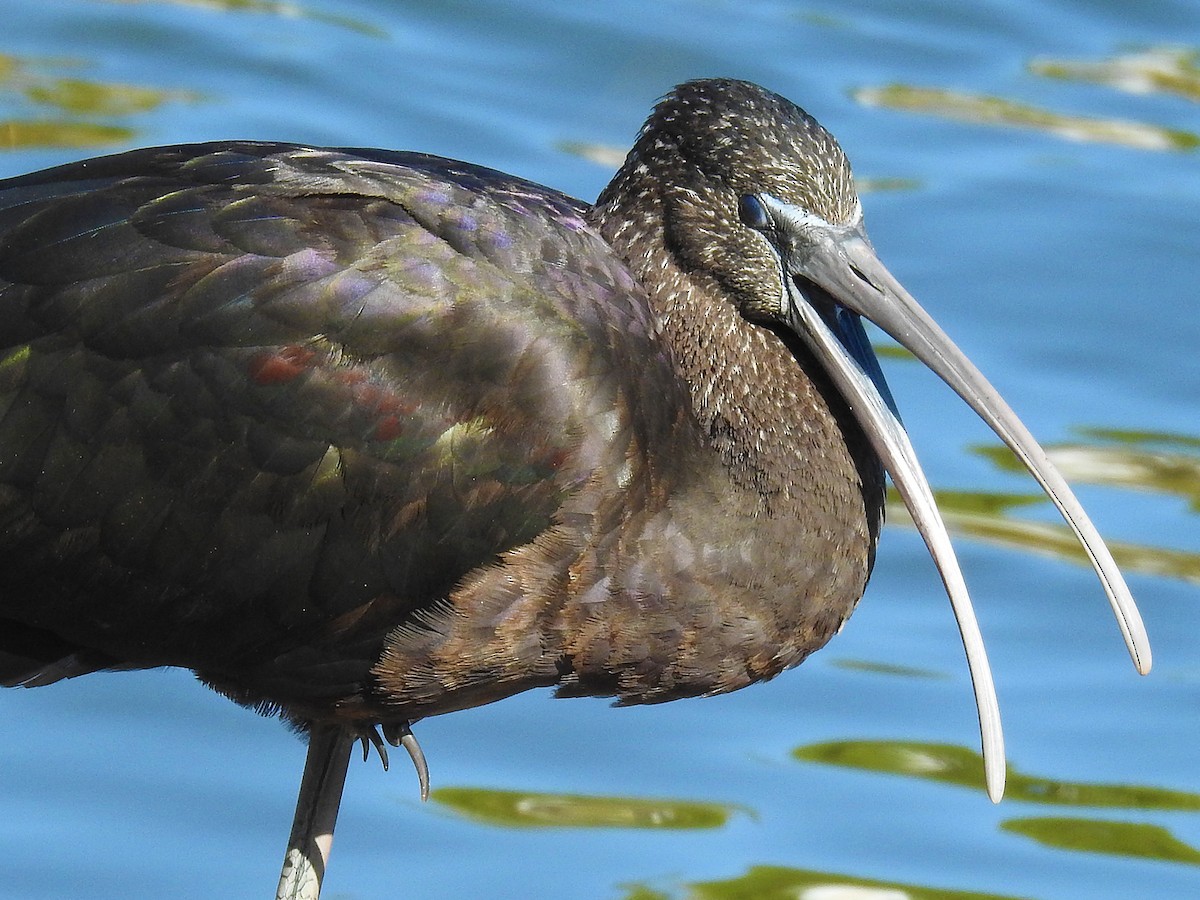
point(384, 410)
point(279, 366)
point(387, 428)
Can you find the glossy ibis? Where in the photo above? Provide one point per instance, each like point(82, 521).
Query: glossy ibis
point(362, 436)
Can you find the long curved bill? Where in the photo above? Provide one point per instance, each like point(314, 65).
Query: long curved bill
point(840, 262)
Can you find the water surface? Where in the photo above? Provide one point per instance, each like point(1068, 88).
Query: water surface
point(1033, 180)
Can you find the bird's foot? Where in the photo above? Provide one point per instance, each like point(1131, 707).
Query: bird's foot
point(398, 734)
point(370, 738)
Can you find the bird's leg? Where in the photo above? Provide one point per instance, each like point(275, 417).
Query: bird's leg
point(316, 813)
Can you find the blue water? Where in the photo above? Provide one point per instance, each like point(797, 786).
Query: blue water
point(1067, 270)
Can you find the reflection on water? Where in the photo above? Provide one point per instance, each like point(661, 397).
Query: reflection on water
point(878, 668)
point(1102, 836)
point(952, 764)
point(894, 351)
point(984, 109)
point(984, 517)
point(1135, 460)
point(784, 883)
point(1171, 70)
point(528, 809)
point(53, 110)
point(885, 185)
point(269, 7)
point(611, 157)
point(1138, 460)
point(74, 95)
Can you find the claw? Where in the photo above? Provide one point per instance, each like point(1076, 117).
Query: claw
point(370, 738)
point(399, 734)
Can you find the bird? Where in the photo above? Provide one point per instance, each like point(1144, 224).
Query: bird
point(365, 436)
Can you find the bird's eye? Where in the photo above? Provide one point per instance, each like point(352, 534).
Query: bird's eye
point(752, 212)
